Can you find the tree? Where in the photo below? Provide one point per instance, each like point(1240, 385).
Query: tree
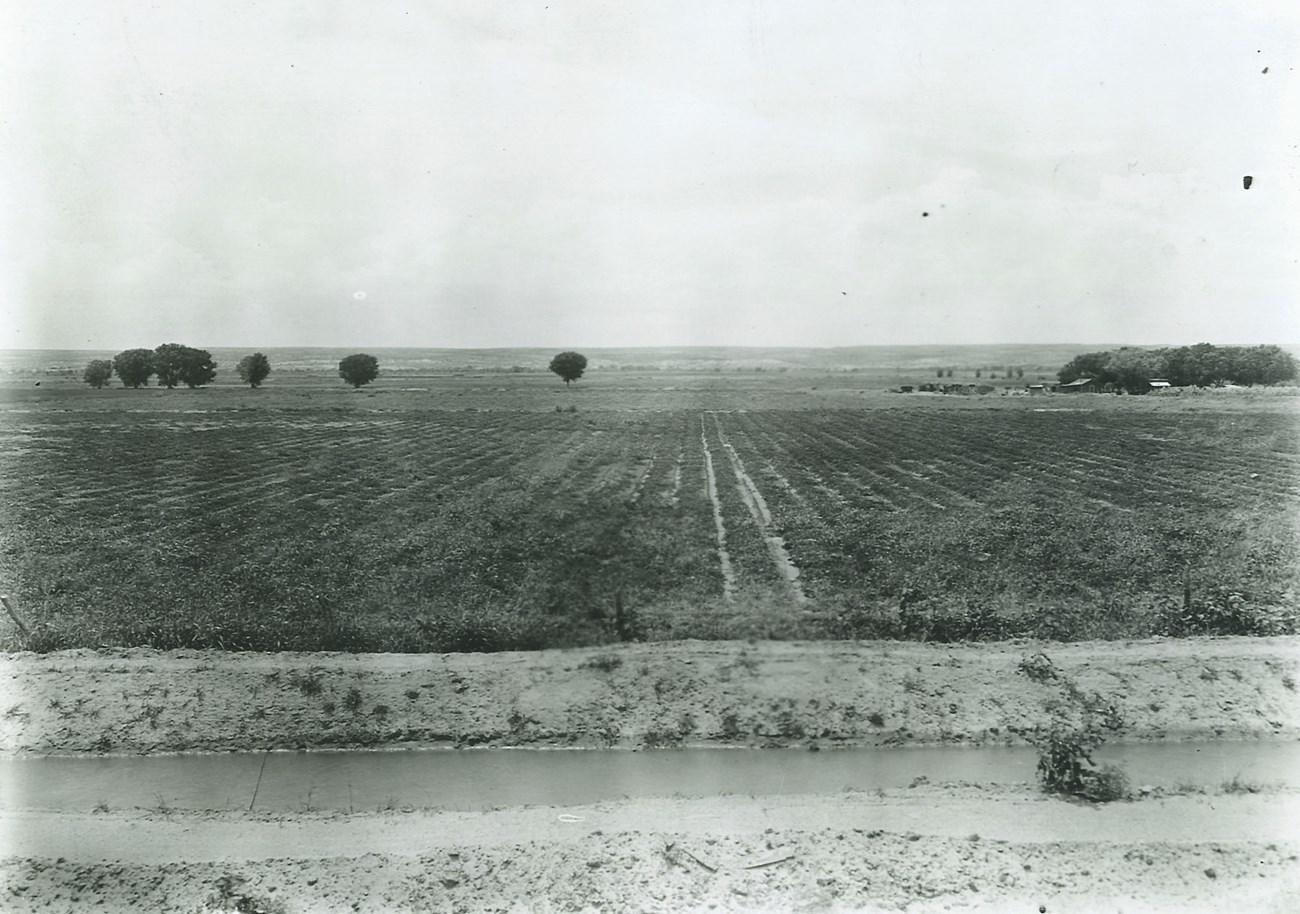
point(134, 367)
point(1089, 365)
point(1264, 365)
point(167, 364)
point(177, 364)
point(569, 366)
point(359, 369)
point(98, 373)
point(197, 367)
point(253, 369)
point(1131, 368)
point(1201, 365)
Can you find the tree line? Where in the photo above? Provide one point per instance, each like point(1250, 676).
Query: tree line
point(1130, 368)
point(173, 364)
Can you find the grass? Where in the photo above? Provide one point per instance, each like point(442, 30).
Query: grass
point(298, 521)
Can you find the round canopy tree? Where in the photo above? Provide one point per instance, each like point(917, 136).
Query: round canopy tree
point(98, 373)
point(569, 366)
point(134, 367)
point(253, 369)
point(197, 367)
point(177, 364)
point(167, 360)
point(359, 369)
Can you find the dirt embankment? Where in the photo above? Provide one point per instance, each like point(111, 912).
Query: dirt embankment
point(683, 693)
point(925, 850)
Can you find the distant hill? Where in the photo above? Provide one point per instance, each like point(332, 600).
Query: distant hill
point(919, 359)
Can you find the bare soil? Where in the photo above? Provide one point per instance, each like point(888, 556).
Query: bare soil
point(687, 693)
point(922, 850)
point(929, 848)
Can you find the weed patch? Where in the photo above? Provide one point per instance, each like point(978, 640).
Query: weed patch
point(309, 683)
point(352, 701)
point(606, 663)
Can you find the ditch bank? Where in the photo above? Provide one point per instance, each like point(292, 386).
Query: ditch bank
point(770, 694)
point(918, 850)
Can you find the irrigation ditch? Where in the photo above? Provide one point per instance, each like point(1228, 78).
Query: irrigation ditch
point(484, 779)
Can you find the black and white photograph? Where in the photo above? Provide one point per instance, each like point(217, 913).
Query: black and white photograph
point(704, 456)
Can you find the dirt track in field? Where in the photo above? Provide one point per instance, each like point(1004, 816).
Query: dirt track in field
point(689, 693)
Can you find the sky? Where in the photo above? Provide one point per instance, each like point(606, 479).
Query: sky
point(708, 172)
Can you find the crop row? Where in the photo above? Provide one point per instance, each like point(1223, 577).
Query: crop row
point(466, 529)
point(1013, 510)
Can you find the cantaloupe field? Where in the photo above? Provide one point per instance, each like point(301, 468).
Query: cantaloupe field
point(357, 524)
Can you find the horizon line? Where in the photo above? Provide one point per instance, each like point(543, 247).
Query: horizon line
point(744, 346)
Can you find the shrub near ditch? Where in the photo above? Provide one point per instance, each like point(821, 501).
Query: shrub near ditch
point(1065, 764)
point(1081, 722)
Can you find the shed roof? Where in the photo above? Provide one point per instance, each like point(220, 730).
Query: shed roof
point(1078, 383)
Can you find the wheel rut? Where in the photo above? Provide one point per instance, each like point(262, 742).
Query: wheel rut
point(762, 515)
point(720, 527)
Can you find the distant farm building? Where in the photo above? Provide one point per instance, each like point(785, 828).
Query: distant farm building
point(1080, 386)
point(1037, 390)
point(1158, 384)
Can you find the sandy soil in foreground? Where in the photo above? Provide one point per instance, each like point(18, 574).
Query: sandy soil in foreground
point(680, 693)
point(920, 850)
point(953, 848)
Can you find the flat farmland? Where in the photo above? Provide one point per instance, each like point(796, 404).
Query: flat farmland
point(291, 521)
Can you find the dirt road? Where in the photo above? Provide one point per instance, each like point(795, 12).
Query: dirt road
point(926, 849)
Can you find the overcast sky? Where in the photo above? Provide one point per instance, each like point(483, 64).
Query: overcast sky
point(488, 173)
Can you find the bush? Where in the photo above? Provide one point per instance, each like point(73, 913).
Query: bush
point(922, 621)
point(1080, 723)
point(1107, 785)
point(1224, 612)
point(1065, 764)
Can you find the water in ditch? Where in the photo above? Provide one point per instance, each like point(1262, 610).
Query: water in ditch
point(488, 778)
